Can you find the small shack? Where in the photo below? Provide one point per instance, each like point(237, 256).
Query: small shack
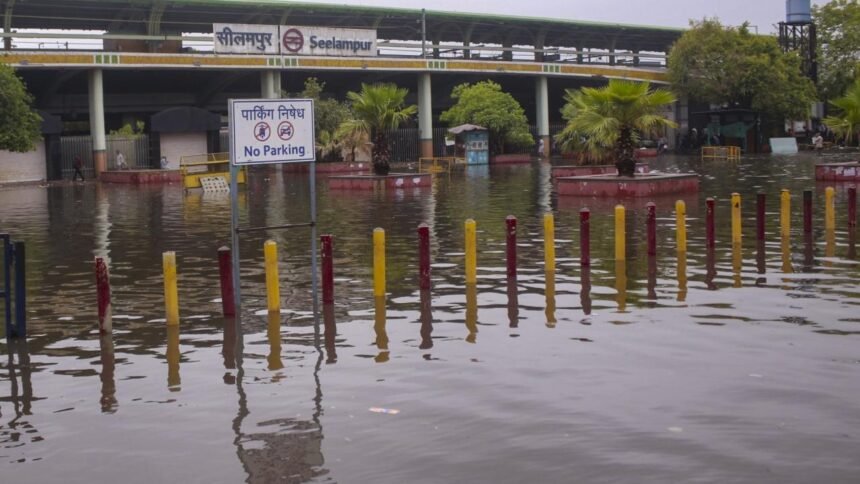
point(475, 141)
point(183, 131)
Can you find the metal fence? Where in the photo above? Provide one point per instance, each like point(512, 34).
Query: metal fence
point(135, 150)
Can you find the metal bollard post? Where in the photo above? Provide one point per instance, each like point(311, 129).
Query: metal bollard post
point(103, 296)
point(620, 234)
point(736, 218)
point(761, 209)
point(225, 273)
point(327, 269)
point(585, 237)
point(171, 292)
point(681, 225)
point(710, 227)
point(785, 213)
point(549, 242)
point(471, 252)
point(378, 262)
point(852, 206)
point(651, 228)
point(807, 211)
point(424, 257)
point(273, 285)
point(7, 283)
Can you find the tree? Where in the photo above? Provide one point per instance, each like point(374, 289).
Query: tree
point(838, 27)
point(485, 104)
point(847, 122)
point(612, 118)
point(20, 126)
point(377, 109)
point(329, 114)
point(732, 67)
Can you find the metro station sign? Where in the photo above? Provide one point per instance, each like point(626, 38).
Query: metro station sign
point(293, 40)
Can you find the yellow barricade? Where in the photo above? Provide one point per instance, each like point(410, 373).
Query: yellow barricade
point(728, 153)
point(195, 167)
point(438, 164)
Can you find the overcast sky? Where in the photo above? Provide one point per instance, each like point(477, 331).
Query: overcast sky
point(670, 13)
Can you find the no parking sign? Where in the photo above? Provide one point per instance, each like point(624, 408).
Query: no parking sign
point(271, 131)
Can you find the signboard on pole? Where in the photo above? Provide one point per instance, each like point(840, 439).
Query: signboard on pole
point(271, 131)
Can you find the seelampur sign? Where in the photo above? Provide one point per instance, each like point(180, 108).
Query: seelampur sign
point(293, 40)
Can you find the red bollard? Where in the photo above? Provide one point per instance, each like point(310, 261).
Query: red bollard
point(424, 257)
point(585, 237)
point(761, 206)
point(852, 206)
point(225, 272)
point(327, 269)
point(807, 211)
point(652, 228)
point(710, 227)
point(511, 231)
point(103, 296)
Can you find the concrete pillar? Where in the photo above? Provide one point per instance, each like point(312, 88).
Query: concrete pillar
point(542, 115)
point(507, 55)
point(579, 57)
point(97, 120)
point(270, 84)
point(636, 58)
point(425, 114)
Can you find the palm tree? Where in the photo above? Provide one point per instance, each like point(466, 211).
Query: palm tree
point(613, 117)
point(847, 123)
point(377, 109)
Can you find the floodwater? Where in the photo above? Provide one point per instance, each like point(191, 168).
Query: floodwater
point(744, 366)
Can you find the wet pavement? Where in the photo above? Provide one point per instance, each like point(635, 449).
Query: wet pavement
point(741, 367)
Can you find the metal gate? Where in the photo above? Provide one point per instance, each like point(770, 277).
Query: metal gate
point(134, 149)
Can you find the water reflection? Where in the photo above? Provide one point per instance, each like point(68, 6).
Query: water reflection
point(172, 354)
point(106, 357)
point(585, 292)
point(710, 269)
point(472, 313)
point(852, 243)
point(550, 299)
point(621, 285)
point(19, 431)
point(829, 247)
point(808, 252)
point(273, 334)
point(426, 316)
point(682, 275)
point(785, 246)
point(651, 285)
point(330, 333)
point(379, 320)
point(737, 261)
point(513, 302)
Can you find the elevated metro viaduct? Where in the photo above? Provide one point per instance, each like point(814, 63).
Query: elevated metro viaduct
point(108, 61)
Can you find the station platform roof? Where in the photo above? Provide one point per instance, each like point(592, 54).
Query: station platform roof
point(197, 16)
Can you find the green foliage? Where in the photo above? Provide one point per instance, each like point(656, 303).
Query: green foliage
point(612, 118)
point(129, 131)
point(20, 127)
point(847, 122)
point(838, 27)
point(733, 67)
point(329, 114)
point(377, 109)
point(485, 104)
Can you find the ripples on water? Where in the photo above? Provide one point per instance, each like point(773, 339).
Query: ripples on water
point(744, 368)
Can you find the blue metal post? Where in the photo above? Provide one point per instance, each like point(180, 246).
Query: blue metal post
point(7, 289)
point(20, 292)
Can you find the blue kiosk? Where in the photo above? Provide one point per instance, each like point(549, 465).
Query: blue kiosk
point(476, 141)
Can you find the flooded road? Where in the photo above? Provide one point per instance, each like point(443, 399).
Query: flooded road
point(739, 367)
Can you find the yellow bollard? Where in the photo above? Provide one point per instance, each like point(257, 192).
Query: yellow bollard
point(171, 293)
point(620, 237)
point(829, 209)
point(549, 242)
point(273, 334)
point(172, 355)
point(682, 276)
point(785, 213)
point(273, 287)
point(378, 262)
point(379, 321)
point(471, 252)
point(472, 313)
point(681, 224)
point(785, 246)
point(736, 218)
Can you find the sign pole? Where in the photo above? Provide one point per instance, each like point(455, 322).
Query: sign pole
point(234, 223)
point(314, 271)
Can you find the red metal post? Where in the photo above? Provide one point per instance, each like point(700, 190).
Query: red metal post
point(585, 237)
point(103, 296)
point(424, 257)
point(710, 224)
point(652, 228)
point(761, 208)
point(327, 269)
point(852, 206)
point(807, 211)
point(225, 272)
point(511, 231)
